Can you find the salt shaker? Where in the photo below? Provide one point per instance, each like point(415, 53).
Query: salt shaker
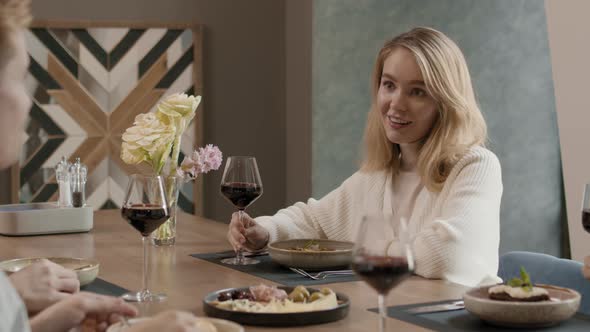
point(63, 180)
point(78, 174)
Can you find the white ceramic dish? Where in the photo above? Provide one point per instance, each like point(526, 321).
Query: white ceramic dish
point(44, 218)
point(86, 269)
point(221, 325)
point(339, 256)
point(563, 304)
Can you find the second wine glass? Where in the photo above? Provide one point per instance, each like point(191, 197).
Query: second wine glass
point(241, 185)
point(145, 208)
point(586, 209)
point(382, 257)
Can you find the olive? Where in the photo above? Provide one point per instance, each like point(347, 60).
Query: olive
point(241, 295)
point(297, 297)
point(315, 296)
point(299, 294)
point(326, 291)
point(225, 296)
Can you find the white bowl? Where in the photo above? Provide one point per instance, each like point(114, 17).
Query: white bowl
point(282, 253)
point(86, 269)
point(563, 304)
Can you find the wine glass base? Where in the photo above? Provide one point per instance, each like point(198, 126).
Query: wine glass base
point(143, 297)
point(244, 261)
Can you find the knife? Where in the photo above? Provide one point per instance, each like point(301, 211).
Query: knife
point(456, 305)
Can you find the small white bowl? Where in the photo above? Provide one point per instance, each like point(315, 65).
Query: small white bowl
point(563, 304)
point(86, 269)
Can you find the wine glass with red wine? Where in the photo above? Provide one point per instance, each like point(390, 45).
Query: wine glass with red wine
point(382, 257)
point(586, 209)
point(145, 208)
point(241, 185)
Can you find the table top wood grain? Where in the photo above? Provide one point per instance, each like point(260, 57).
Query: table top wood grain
point(187, 280)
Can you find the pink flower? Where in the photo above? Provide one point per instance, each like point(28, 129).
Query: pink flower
point(201, 161)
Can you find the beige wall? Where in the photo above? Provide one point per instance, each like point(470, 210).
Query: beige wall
point(244, 78)
point(298, 99)
point(568, 30)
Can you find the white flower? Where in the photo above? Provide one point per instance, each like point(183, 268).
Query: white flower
point(178, 110)
point(149, 139)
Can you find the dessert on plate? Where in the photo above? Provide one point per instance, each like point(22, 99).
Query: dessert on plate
point(519, 290)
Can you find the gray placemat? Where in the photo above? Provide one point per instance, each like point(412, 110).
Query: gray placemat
point(104, 287)
point(462, 320)
point(272, 271)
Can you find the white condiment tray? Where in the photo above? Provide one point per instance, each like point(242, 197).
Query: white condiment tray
point(44, 218)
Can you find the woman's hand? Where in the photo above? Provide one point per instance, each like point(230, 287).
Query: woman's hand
point(44, 283)
point(246, 233)
point(88, 310)
point(586, 268)
point(168, 321)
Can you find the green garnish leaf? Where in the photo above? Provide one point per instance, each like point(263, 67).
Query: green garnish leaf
point(525, 277)
point(523, 282)
point(515, 282)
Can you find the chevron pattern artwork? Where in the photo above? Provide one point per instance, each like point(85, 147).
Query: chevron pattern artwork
point(87, 84)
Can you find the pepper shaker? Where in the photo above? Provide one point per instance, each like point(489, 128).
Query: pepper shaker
point(63, 180)
point(78, 174)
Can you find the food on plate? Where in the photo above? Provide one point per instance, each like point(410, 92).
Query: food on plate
point(270, 299)
point(311, 245)
point(519, 289)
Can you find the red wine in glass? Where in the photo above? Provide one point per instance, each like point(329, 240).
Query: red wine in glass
point(145, 218)
point(586, 219)
point(241, 194)
point(382, 257)
point(586, 209)
point(241, 185)
point(382, 273)
point(145, 208)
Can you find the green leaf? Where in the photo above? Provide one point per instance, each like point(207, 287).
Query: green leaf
point(526, 279)
point(515, 282)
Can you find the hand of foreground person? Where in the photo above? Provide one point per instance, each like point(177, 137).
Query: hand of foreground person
point(586, 267)
point(82, 311)
point(246, 233)
point(44, 283)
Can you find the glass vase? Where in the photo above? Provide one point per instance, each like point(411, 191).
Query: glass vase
point(165, 235)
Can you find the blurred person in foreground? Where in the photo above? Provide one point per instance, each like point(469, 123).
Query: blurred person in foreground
point(44, 297)
point(425, 163)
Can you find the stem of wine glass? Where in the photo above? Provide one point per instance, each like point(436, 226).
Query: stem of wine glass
point(144, 288)
point(382, 316)
point(240, 253)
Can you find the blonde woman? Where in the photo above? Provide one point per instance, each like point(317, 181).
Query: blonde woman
point(424, 162)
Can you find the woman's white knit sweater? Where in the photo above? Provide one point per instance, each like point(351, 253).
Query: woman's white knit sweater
point(455, 233)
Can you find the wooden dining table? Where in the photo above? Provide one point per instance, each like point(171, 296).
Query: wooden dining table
point(187, 280)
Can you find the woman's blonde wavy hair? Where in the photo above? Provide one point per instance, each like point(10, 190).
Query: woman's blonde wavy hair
point(459, 125)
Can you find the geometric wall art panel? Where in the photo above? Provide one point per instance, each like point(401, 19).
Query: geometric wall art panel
point(88, 81)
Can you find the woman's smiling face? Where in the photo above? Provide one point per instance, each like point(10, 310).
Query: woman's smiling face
point(407, 110)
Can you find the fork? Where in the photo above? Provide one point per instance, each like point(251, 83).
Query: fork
point(321, 275)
